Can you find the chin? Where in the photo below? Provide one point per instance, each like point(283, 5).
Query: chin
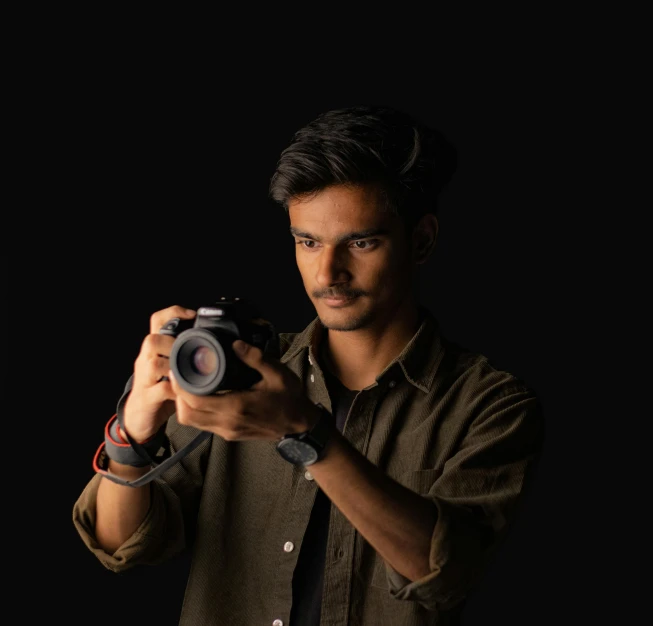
point(341, 325)
point(344, 320)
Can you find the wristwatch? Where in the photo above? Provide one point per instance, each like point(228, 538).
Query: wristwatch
point(308, 447)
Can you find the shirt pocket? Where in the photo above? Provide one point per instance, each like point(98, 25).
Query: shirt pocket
point(420, 482)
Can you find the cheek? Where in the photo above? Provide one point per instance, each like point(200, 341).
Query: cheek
point(386, 270)
point(304, 268)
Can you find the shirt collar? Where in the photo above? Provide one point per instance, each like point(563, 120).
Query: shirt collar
point(419, 360)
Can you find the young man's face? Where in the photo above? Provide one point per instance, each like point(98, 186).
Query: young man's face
point(353, 257)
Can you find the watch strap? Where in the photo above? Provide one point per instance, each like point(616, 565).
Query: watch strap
point(320, 433)
point(316, 437)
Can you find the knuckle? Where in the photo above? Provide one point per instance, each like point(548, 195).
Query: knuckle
point(155, 343)
point(238, 408)
point(156, 321)
point(231, 432)
point(232, 424)
point(173, 311)
point(149, 343)
point(154, 362)
point(227, 435)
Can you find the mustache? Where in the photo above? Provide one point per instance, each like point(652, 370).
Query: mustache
point(338, 293)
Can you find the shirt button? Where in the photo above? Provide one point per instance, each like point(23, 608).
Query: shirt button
point(310, 360)
point(308, 476)
point(312, 378)
point(277, 622)
point(289, 546)
point(391, 384)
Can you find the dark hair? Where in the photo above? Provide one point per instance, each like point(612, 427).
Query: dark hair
point(409, 162)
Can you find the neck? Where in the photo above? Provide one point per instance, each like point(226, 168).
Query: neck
point(357, 357)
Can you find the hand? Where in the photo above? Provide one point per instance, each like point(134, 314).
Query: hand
point(151, 400)
point(270, 409)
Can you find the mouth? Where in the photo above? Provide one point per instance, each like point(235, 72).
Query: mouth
point(338, 302)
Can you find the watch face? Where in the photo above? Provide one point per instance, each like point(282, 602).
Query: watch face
point(296, 451)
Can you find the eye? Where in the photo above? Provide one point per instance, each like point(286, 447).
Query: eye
point(365, 244)
point(306, 243)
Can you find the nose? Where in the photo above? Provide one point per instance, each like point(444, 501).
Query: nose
point(331, 268)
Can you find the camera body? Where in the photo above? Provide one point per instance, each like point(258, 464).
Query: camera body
point(202, 359)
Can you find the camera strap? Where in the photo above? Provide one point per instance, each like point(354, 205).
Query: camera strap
point(154, 452)
point(101, 463)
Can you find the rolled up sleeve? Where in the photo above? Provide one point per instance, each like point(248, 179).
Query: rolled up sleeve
point(159, 537)
point(476, 494)
point(167, 528)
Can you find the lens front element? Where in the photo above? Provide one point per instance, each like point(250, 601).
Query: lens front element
point(204, 360)
point(198, 361)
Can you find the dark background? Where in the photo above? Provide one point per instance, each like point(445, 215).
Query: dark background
point(153, 191)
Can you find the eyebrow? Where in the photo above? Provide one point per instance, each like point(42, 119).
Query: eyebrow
point(362, 234)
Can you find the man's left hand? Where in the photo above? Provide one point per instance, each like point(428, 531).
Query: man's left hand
point(270, 409)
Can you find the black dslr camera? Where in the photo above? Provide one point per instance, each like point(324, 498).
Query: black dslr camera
point(202, 358)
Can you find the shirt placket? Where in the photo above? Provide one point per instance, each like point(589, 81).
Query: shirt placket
point(299, 482)
point(341, 542)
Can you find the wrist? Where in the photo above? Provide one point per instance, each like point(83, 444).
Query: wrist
point(307, 415)
point(307, 446)
point(128, 472)
point(125, 450)
point(137, 437)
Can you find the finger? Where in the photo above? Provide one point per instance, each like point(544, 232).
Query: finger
point(154, 344)
point(159, 318)
point(253, 356)
point(160, 392)
point(214, 403)
point(151, 368)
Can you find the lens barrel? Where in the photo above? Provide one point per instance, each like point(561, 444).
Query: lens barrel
point(198, 360)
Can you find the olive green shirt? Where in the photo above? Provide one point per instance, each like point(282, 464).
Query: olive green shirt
point(439, 419)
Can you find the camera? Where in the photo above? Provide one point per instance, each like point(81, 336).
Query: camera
point(202, 359)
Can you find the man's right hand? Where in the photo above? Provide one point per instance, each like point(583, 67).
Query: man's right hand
point(151, 400)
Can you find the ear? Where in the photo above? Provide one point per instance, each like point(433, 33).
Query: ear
point(424, 237)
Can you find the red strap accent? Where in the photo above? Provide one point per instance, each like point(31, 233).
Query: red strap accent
point(107, 432)
point(96, 464)
point(123, 442)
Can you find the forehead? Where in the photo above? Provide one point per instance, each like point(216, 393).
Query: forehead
point(339, 210)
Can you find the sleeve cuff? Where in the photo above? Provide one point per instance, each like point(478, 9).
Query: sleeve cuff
point(152, 542)
point(455, 558)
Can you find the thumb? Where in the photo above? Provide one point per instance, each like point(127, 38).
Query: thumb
point(250, 355)
point(246, 351)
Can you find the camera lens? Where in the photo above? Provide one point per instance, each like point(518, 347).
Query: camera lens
point(204, 361)
point(198, 360)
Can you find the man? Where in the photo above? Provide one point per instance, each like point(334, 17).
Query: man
point(422, 446)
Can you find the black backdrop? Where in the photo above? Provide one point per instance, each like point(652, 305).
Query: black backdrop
point(159, 196)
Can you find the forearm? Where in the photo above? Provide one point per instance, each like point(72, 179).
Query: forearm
point(120, 509)
point(396, 521)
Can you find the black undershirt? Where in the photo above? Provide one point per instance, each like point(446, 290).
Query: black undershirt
point(308, 577)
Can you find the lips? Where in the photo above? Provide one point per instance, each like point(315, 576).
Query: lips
point(337, 302)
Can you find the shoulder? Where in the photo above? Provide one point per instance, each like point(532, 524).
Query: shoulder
point(479, 373)
point(486, 388)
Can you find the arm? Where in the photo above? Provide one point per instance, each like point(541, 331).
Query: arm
point(400, 523)
point(108, 515)
point(396, 521)
point(120, 510)
point(437, 529)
